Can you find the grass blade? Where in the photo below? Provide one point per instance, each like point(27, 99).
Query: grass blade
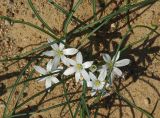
point(68, 20)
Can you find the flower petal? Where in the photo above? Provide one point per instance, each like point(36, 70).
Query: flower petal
point(65, 60)
point(69, 71)
point(93, 93)
point(100, 87)
point(56, 61)
point(85, 75)
point(92, 76)
point(79, 58)
point(122, 62)
point(72, 62)
point(102, 75)
point(61, 46)
point(54, 80)
point(40, 70)
point(117, 71)
point(49, 65)
point(70, 51)
point(106, 57)
point(87, 64)
point(48, 83)
point(77, 76)
point(89, 84)
point(54, 46)
point(49, 53)
point(116, 56)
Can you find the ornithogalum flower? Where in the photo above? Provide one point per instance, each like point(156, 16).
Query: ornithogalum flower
point(79, 68)
point(113, 65)
point(60, 53)
point(51, 79)
point(97, 84)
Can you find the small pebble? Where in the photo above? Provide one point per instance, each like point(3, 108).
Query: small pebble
point(147, 101)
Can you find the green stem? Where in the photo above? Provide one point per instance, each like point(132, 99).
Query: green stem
point(39, 17)
point(133, 105)
point(12, 21)
point(68, 20)
point(67, 100)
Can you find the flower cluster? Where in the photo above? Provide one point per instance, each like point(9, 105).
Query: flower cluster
point(82, 70)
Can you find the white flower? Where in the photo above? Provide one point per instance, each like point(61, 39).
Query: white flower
point(51, 79)
point(110, 64)
point(97, 84)
point(79, 68)
point(59, 53)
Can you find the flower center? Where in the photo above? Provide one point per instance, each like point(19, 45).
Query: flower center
point(97, 83)
point(59, 52)
point(79, 67)
point(110, 65)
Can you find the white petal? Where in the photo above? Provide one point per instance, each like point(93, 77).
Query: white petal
point(107, 85)
point(117, 56)
point(40, 70)
point(54, 80)
point(85, 75)
point(77, 76)
point(72, 62)
point(92, 76)
point(89, 84)
point(48, 83)
point(103, 67)
point(106, 58)
point(100, 87)
point(54, 46)
point(61, 46)
point(87, 64)
point(56, 61)
point(122, 62)
point(79, 58)
point(41, 79)
point(65, 60)
point(49, 65)
point(102, 75)
point(117, 71)
point(69, 71)
point(49, 53)
point(93, 93)
point(70, 51)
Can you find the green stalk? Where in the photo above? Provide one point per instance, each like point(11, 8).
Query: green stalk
point(24, 87)
point(68, 20)
point(14, 88)
point(27, 80)
point(94, 9)
point(67, 100)
point(39, 93)
point(12, 21)
point(64, 11)
point(39, 17)
point(133, 105)
point(115, 13)
point(142, 39)
point(46, 109)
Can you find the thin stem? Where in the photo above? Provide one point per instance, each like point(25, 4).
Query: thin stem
point(12, 21)
point(67, 100)
point(39, 17)
point(68, 20)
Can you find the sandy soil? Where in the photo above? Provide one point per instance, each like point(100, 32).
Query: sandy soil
point(141, 84)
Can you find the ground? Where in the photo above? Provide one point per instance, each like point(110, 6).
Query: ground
point(141, 83)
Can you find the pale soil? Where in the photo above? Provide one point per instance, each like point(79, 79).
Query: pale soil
point(142, 84)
